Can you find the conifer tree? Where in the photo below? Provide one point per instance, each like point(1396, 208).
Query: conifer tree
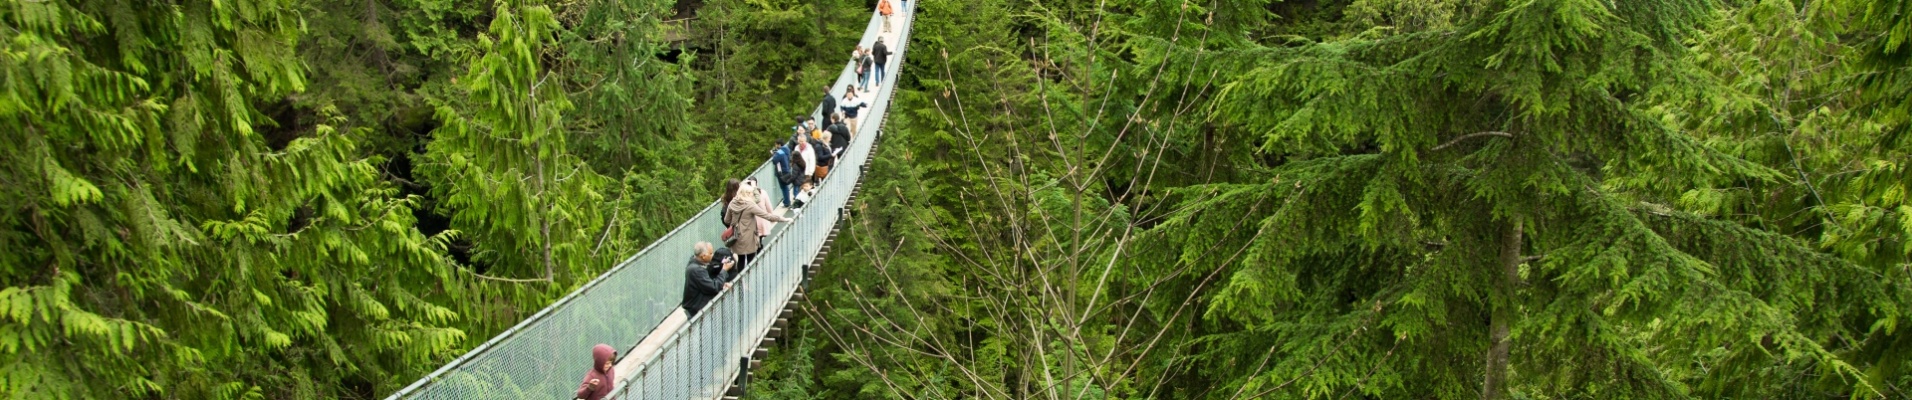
point(1488, 211)
point(164, 236)
point(503, 170)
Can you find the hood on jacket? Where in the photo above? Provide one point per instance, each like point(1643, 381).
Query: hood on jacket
point(599, 355)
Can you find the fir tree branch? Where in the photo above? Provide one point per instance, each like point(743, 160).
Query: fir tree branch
point(508, 280)
point(1471, 136)
point(1377, 367)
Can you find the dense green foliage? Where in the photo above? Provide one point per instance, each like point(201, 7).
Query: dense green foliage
point(1103, 199)
point(321, 199)
point(1384, 199)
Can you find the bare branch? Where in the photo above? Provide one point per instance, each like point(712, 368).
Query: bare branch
point(1471, 136)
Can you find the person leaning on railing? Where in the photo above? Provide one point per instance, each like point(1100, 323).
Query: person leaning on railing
point(699, 285)
point(723, 267)
point(786, 173)
point(744, 208)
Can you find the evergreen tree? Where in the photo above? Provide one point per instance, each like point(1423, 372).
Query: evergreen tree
point(503, 170)
point(1436, 199)
point(1485, 211)
point(165, 237)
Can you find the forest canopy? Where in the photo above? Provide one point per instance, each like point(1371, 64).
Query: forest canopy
point(1215, 199)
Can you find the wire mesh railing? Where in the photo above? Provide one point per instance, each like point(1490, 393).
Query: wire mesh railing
point(543, 356)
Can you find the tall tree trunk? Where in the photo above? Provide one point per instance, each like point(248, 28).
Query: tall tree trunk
point(544, 229)
point(1509, 261)
point(544, 207)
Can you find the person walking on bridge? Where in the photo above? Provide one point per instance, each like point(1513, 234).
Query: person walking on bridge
point(699, 285)
point(743, 209)
point(598, 382)
point(828, 105)
point(850, 105)
point(883, 7)
point(881, 56)
point(861, 59)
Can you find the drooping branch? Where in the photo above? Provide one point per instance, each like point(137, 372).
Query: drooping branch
point(1471, 136)
point(510, 280)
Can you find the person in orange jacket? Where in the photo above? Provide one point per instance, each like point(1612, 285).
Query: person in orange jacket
point(883, 7)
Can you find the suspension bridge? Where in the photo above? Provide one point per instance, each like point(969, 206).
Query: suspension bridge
point(634, 305)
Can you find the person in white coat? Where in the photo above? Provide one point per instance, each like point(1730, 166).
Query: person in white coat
point(850, 105)
point(809, 156)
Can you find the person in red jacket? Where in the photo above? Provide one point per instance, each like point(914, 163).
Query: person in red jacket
point(599, 381)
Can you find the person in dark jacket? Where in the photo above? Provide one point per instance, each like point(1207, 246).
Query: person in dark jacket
point(828, 106)
point(863, 64)
point(730, 192)
point(839, 133)
point(880, 55)
point(723, 266)
point(786, 182)
point(825, 158)
point(598, 382)
point(699, 285)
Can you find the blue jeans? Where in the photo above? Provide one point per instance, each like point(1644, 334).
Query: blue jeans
point(877, 71)
point(863, 81)
point(789, 191)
